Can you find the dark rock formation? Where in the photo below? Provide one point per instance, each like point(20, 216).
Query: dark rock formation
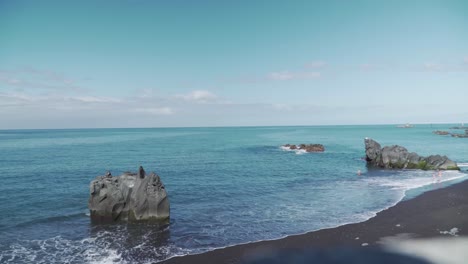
point(440, 132)
point(373, 150)
point(129, 197)
point(313, 147)
point(306, 147)
point(461, 135)
point(398, 157)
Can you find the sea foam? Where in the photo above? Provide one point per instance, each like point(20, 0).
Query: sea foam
point(297, 151)
point(104, 248)
point(408, 180)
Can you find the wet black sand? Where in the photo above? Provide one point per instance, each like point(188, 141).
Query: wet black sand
point(424, 216)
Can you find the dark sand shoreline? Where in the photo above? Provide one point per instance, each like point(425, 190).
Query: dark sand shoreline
point(424, 216)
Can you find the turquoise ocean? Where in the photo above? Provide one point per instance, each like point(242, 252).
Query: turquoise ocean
point(227, 186)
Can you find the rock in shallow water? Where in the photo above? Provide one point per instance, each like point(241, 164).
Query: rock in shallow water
point(441, 132)
point(306, 147)
point(129, 197)
point(398, 157)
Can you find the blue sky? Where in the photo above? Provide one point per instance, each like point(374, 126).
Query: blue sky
point(66, 64)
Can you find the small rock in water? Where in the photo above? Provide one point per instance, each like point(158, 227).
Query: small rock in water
point(440, 132)
point(306, 147)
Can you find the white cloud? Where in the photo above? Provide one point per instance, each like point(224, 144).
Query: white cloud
point(308, 75)
point(281, 76)
point(380, 66)
point(287, 75)
point(448, 67)
point(32, 78)
point(316, 65)
point(367, 67)
point(94, 99)
point(15, 99)
point(432, 66)
point(282, 107)
point(145, 93)
point(156, 111)
point(52, 99)
point(6, 78)
point(11, 81)
point(199, 96)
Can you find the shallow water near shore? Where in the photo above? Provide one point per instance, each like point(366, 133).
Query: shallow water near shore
point(226, 186)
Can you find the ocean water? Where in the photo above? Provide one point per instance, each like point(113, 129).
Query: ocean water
point(226, 186)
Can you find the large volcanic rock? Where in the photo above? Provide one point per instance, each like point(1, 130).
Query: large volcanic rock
point(129, 197)
point(398, 157)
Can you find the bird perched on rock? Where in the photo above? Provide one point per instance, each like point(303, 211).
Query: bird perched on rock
point(141, 172)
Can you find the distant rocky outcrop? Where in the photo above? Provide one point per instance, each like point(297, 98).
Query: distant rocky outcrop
point(398, 157)
point(306, 147)
point(440, 132)
point(461, 135)
point(458, 135)
point(129, 197)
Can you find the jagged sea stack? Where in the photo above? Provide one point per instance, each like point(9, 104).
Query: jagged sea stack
point(129, 197)
point(398, 157)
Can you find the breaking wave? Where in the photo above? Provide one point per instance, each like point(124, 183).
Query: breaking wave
point(112, 246)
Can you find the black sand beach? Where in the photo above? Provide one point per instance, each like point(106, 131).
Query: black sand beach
point(424, 216)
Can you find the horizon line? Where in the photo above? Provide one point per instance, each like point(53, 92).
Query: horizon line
point(229, 126)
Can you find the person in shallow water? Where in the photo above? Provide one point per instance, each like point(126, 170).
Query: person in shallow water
point(437, 174)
